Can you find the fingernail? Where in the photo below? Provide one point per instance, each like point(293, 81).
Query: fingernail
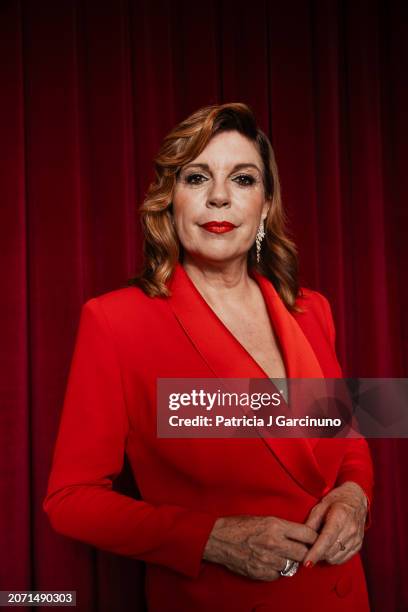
point(309, 564)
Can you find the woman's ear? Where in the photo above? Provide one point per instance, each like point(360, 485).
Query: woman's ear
point(265, 209)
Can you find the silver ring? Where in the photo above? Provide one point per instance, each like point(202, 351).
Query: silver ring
point(290, 569)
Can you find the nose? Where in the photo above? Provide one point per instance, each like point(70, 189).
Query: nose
point(218, 196)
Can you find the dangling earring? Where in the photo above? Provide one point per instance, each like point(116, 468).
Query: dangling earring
point(259, 237)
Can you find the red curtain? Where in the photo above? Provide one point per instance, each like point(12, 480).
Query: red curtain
point(88, 90)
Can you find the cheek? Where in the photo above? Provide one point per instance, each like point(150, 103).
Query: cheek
point(252, 199)
point(187, 207)
point(186, 198)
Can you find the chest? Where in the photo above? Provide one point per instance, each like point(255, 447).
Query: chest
point(255, 333)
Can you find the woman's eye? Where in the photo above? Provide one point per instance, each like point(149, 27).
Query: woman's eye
point(195, 179)
point(245, 180)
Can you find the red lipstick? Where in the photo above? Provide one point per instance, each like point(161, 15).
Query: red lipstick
point(218, 227)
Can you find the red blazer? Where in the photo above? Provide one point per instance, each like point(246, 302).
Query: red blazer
point(125, 341)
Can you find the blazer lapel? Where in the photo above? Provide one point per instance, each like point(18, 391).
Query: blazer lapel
point(228, 358)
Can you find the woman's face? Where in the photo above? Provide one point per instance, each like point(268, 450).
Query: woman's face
point(224, 183)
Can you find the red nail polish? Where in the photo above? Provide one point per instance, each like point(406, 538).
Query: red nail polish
point(309, 564)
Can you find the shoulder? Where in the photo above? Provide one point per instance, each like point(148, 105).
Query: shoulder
point(316, 311)
point(125, 306)
point(310, 299)
point(124, 296)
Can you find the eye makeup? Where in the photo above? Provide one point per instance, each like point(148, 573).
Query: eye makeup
point(196, 179)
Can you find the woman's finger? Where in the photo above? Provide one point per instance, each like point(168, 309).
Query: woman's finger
point(268, 559)
point(261, 570)
point(316, 515)
point(345, 546)
point(330, 532)
point(280, 534)
point(340, 548)
point(300, 532)
point(292, 550)
point(350, 538)
point(343, 555)
point(287, 549)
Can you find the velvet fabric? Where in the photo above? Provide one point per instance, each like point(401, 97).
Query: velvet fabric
point(88, 92)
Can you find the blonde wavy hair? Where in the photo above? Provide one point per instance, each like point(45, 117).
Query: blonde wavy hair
point(161, 246)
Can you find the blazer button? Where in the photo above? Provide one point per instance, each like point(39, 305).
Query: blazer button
point(344, 586)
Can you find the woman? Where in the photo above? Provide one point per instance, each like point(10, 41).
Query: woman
point(233, 524)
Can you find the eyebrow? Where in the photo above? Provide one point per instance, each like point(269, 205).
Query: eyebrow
point(236, 167)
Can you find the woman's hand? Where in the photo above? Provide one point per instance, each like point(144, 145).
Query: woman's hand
point(342, 512)
point(258, 546)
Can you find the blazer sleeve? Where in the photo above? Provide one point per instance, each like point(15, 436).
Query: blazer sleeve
point(357, 465)
point(89, 454)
